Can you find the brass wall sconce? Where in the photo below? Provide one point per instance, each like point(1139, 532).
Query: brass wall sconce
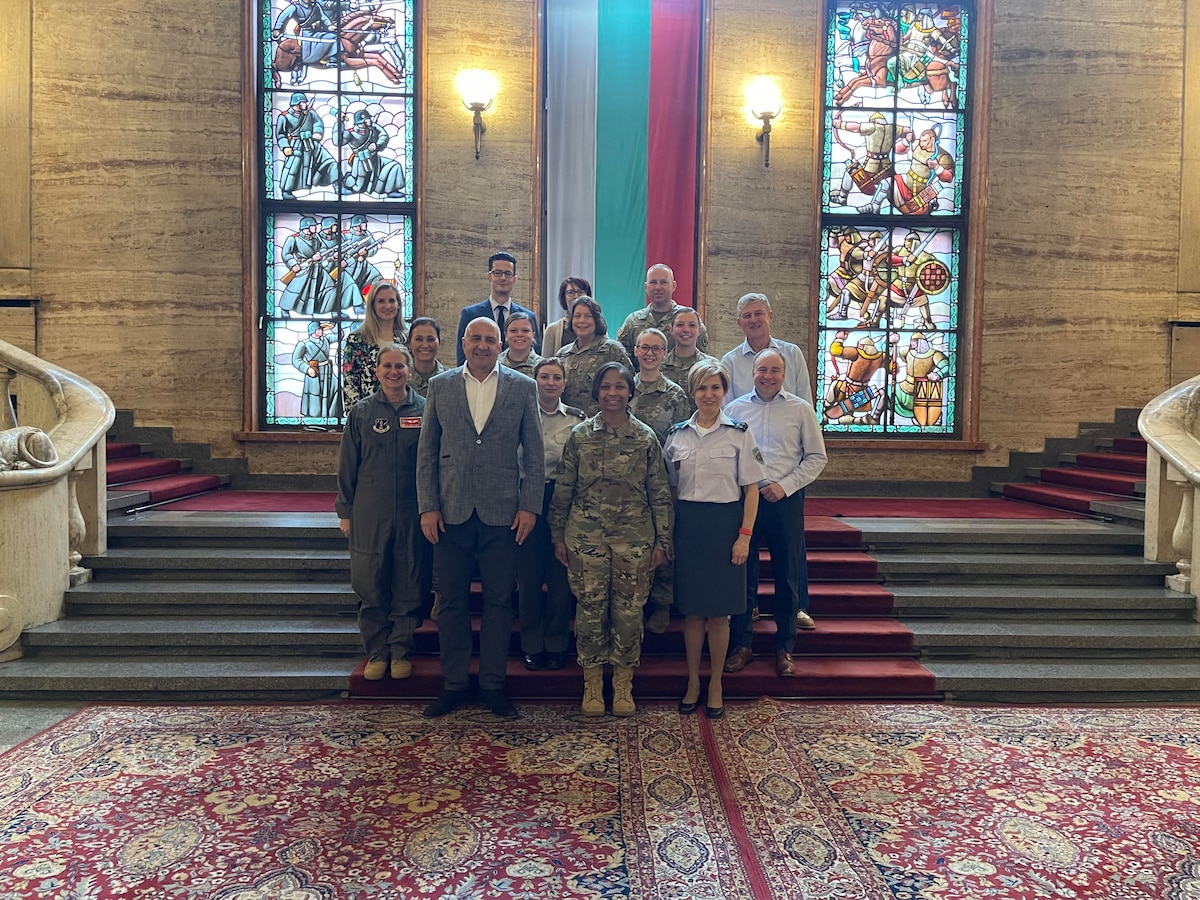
point(478, 91)
point(763, 103)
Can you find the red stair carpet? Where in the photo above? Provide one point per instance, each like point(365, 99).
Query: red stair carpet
point(858, 649)
point(162, 479)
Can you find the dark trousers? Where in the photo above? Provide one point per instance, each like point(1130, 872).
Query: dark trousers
point(545, 617)
point(781, 526)
point(494, 548)
point(392, 585)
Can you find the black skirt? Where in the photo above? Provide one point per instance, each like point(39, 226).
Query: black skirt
point(706, 582)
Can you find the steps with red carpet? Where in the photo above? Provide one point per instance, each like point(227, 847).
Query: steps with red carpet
point(1099, 482)
point(135, 479)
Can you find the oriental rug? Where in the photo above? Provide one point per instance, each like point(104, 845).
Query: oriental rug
point(775, 800)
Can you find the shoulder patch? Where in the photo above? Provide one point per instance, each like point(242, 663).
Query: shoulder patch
point(741, 426)
point(575, 411)
point(677, 427)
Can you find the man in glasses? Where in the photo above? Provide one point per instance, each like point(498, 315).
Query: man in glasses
point(660, 288)
point(499, 305)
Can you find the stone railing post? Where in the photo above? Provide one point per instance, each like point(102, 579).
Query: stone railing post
point(1181, 536)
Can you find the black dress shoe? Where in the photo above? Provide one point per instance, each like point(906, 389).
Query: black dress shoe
point(499, 704)
point(535, 662)
point(714, 712)
point(686, 709)
point(556, 661)
point(448, 702)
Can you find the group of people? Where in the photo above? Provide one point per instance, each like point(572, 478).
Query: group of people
point(662, 472)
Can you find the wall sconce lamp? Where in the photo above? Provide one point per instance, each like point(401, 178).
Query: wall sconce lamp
point(763, 103)
point(478, 90)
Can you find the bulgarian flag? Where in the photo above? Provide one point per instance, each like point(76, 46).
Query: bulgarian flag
point(622, 146)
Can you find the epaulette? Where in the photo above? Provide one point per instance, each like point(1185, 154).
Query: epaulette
point(740, 426)
point(575, 411)
point(677, 426)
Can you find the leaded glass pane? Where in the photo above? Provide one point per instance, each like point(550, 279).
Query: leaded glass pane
point(881, 288)
point(338, 130)
point(896, 107)
point(893, 163)
point(319, 45)
point(883, 56)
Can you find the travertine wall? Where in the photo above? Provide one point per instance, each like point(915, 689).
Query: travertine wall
point(136, 203)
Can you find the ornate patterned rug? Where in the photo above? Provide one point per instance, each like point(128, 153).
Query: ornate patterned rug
point(777, 800)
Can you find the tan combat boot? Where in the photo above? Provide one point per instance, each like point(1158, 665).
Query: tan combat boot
point(623, 704)
point(593, 691)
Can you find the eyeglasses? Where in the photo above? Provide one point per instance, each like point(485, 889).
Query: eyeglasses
point(572, 292)
point(500, 273)
point(645, 349)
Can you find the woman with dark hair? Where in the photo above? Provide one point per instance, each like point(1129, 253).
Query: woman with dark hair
point(558, 333)
point(590, 350)
point(715, 467)
point(424, 340)
point(545, 617)
point(610, 519)
point(383, 324)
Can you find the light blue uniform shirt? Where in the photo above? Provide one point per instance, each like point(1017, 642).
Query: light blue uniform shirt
point(740, 364)
point(713, 467)
point(787, 432)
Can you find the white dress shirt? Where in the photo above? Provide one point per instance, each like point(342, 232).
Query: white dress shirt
point(739, 362)
point(481, 395)
point(788, 435)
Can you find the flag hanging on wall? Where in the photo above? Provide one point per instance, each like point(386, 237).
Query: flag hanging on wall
point(622, 146)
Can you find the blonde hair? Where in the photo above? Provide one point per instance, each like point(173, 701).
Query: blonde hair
point(371, 330)
point(703, 370)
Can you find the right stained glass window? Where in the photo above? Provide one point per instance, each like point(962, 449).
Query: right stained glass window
point(895, 197)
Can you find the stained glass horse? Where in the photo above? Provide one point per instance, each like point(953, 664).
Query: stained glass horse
point(348, 47)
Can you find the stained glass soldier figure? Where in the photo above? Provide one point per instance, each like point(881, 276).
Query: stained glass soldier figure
point(313, 359)
point(340, 293)
point(370, 171)
point(306, 164)
point(305, 282)
point(357, 248)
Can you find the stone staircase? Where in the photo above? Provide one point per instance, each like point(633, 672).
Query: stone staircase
point(1039, 610)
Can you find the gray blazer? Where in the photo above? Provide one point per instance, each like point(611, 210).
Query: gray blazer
point(460, 470)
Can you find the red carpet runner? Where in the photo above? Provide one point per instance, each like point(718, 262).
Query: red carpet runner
point(775, 801)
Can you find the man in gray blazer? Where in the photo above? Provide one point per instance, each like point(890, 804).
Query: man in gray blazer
point(481, 422)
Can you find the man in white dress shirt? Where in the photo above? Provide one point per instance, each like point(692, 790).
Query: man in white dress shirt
point(754, 317)
point(794, 454)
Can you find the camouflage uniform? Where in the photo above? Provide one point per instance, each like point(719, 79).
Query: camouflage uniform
point(611, 507)
point(419, 382)
point(641, 319)
point(525, 368)
point(581, 367)
point(678, 371)
point(659, 404)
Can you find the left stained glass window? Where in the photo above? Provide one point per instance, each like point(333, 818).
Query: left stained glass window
point(337, 121)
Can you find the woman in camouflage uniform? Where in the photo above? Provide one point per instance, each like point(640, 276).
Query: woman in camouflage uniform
point(610, 520)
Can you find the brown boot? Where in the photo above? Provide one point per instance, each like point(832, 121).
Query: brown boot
point(593, 691)
point(623, 704)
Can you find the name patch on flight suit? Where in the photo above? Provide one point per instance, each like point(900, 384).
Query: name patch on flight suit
point(382, 426)
point(410, 422)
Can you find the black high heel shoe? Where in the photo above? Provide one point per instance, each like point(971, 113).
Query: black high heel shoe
point(686, 709)
point(714, 712)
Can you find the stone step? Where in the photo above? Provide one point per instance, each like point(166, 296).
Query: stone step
point(967, 536)
point(231, 598)
point(1019, 568)
point(1063, 681)
point(232, 677)
point(1007, 602)
point(228, 678)
point(942, 639)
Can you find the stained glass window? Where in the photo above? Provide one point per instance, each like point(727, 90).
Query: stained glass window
point(895, 197)
point(337, 120)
